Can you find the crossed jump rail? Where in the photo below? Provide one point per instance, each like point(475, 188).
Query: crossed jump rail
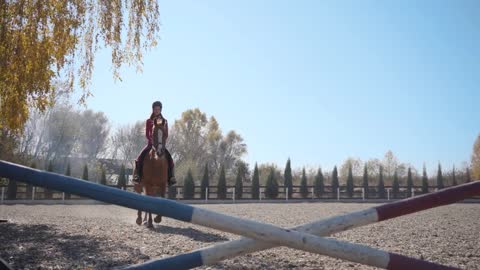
point(262, 236)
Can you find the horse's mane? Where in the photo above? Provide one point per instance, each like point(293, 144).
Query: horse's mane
point(156, 128)
point(153, 153)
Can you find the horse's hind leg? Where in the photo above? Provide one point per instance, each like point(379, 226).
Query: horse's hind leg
point(157, 219)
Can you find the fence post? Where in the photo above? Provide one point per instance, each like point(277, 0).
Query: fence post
point(338, 194)
point(206, 194)
point(413, 192)
point(233, 195)
point(313, 193)
point(63, 197)
point(33, 193)
point(3, 193)
point(178, 193)
point(388, 194)
point(286, 194)
point(363, 194)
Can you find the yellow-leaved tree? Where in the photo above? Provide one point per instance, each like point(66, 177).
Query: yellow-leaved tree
point(476, 159)
point(46, 40)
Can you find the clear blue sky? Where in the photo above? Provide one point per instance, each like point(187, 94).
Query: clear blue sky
point(316, 81)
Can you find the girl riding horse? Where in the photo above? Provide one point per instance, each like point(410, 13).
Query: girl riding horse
point(155, 116)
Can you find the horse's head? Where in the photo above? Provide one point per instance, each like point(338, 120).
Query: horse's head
point(158, 124)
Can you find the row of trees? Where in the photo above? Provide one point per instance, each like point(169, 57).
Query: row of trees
point(319, 182)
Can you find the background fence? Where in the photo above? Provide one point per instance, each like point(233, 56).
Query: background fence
point(26, 192)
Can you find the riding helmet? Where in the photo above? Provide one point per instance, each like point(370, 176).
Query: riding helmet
point(157, 103)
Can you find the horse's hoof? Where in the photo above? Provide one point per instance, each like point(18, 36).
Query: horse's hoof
point(150, 225)
point(158, 219)
point(139, 221)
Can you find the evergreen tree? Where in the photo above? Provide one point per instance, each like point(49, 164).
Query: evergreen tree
point(29, 188)
point(189, 186)
point(335, 184)
point(454, 177)
point(350, 182)
point(319, 184)
point(239, 183)
point(395, 185)
point(288, 179)
point(85, 173)
point(12, 189)
point(205, 182)
point(103, 177)
point(68, 172)
point(222, 185)
point(439, 177)
point(424, 181)
point(381, 185)
point(467, 176)
point(409, 183)
point(48, 193)
point(122, 179)
point(303, 185)
point(365, 180)
point(255, 183)
point(271, 190)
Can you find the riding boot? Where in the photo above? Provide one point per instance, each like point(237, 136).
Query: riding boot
point(171, 176)
point(137, 172)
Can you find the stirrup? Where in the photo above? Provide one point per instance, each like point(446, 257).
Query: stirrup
point(136, 179)
point(172, 181)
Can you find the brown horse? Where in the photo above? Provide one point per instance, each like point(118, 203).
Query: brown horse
point(155, 172)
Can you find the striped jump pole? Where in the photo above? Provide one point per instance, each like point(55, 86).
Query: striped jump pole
point(252, 229)
point(219, 252)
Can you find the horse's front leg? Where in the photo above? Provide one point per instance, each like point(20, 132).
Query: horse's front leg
point(150, 222)
point(139, 217)
point(149, 192)
point(138, 189)
point(161, 192)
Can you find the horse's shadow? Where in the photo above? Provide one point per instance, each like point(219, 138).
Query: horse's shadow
point(192, 233)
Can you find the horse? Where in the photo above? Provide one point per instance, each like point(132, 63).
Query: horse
point(155, 172)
